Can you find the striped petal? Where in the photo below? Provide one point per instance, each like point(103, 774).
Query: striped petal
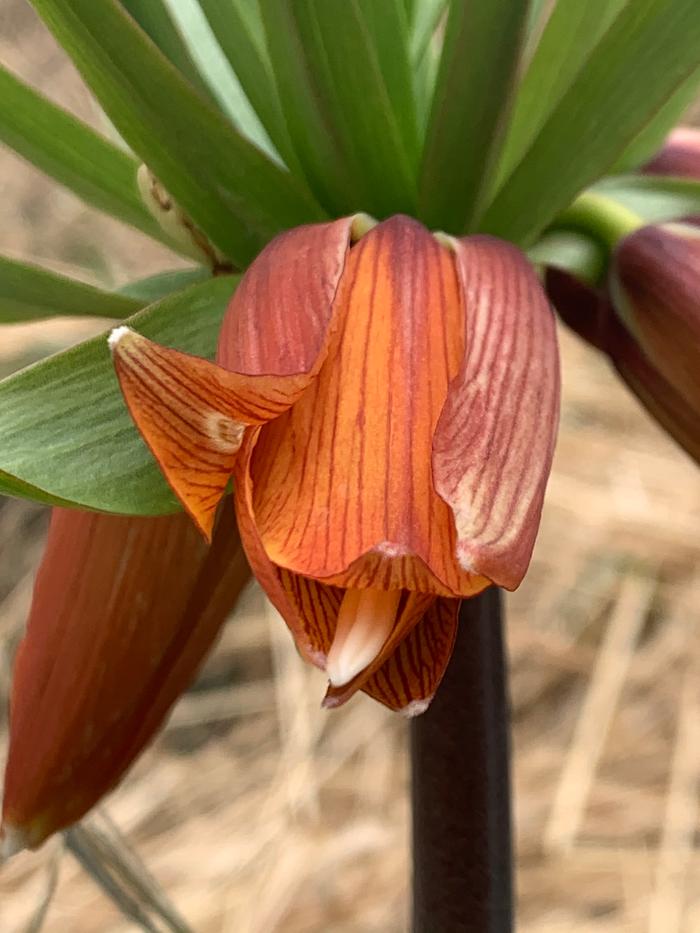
point(281, 315)
point(124, 611)
point(342, 486)
point(275, 335)
point(656, 290)
point(591, 315)
point(407, 681)
point(193, 413)
point(495, 439)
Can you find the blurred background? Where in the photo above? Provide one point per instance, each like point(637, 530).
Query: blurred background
point(257, 812)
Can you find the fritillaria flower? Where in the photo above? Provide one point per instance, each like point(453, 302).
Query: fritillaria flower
point(656, 291)
point(647, 321)
point(387, 406)
point(386, 402)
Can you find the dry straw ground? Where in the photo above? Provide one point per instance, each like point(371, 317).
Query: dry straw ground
point(256, 812)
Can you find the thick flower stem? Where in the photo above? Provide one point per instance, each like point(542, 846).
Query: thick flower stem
point(460, 751)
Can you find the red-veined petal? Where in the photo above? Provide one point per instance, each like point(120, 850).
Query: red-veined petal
point(124, 611)
point(495, 439)
point(274, 338)
point(342, 486)
point(192, 414)
point(407, 681)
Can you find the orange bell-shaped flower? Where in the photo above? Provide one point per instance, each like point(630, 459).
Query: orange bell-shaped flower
point(387, 404)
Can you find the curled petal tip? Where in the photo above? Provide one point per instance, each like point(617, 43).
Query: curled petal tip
point(12, 841)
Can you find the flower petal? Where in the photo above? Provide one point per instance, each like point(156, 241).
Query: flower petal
point(274, 338)
point(192, 414)
point(590, 314)
point(281, 315)
point(679, 156)
point(346, 473)
point(407, 681)
point(495, 439)
point(656, 290)
point(124, 611)
point(412, 609)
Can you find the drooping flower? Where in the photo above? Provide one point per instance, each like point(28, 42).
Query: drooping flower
point(647, 320)
point(124, 610)
point(387, 406)
point(656, 290)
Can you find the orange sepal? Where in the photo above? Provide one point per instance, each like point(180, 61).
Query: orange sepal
point(192, 414)
point(124, 611)
point(495, 439)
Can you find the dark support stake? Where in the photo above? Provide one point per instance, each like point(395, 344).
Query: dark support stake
point(460, 754)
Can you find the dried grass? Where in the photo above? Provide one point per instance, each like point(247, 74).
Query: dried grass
point(258, 812)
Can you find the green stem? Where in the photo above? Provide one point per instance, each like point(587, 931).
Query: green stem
point(604, 218)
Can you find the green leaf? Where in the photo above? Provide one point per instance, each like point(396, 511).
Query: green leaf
point(330, 63)
point(655, 198)
point(571, 251)
point(237, 25)
point(652, 137)
point(150, 289)
point(477, 73)
point(572, 30)
point(28, 293)
point(217, 72)
point(72, 154)
point(230, 189)
point(155, 20)
point(65, 434)
point(427, 16)
point(650, 50)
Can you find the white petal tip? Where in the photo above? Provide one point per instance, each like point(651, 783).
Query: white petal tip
point(415, 708)
point(12, 841)
point(118, 334)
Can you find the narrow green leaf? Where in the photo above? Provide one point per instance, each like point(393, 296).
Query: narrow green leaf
point(652, 137)
point(428, 14)
point(387, 25)
point(155, 20)
point(65, 435)
point(571, 32)
point(476, 77)
point(238, 197)
point(650, 50)
point(237, 25)
point(655, 198)
point(150, 289)
point(217, 72)
point(28, 293)
point(349, 138)
point(72, 154)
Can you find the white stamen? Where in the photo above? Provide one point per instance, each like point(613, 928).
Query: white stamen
point(365, 620)
point(118, 334)
point(12, 841)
